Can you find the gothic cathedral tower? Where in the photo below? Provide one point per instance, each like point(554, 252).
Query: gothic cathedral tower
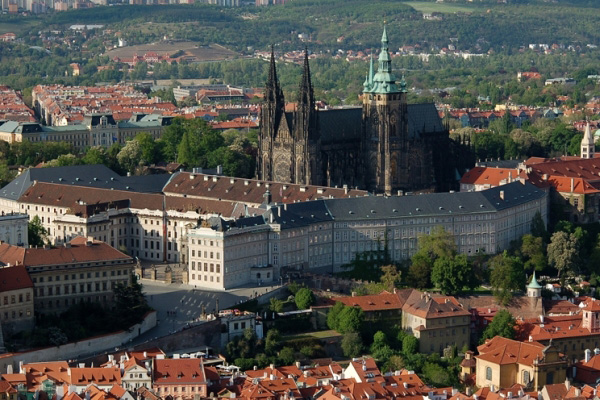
point(308, 161)
point(271, 117)
point(385, 126)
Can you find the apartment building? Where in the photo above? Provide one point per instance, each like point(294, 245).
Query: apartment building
point(13, 228)
point(80, 270)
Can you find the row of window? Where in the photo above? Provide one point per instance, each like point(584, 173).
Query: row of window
point(16, 314)
point(212, 267)
point(87, 275)
point(13, 298)
point(72, 289)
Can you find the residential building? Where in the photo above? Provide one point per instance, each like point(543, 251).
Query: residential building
point(182, 379)
point(437, 321)
point(16, 295)
point(503, 362)
point(80, 270)
point(136, 374)
point(376, 307)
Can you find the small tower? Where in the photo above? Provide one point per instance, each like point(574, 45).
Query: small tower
point(587, 143)
point(534, 289)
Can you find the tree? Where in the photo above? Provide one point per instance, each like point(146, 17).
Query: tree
point(350, 320)
point(304, 298)
point(130, 305)
point(287, 356)
point(410, 345)
point(532, 249)
point(352, 344)
point(333, 317)
point(452, 274)
point(275, 305)
point(563, 252)
point(436, 375)
point(503, 325)
point(272, 341)
point(507, 277)
point(439, 243)
point(37, 235)
point(391, 277)
point(148, 148)
point(379, 341)
point(130, 155)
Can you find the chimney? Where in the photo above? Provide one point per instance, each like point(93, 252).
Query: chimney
point(596, 351)
point(353, 294)
point(502, 195)
point(345, 189)
point(567, 384)
point(9, 369)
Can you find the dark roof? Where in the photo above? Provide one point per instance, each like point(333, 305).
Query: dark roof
point(378, 207)
point(301, 214)
point(97, 176)
point(423, 119)
point(340, 124)
point(94, 119)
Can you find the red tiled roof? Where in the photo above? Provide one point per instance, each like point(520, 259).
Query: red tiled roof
point(426, 306)
point(14, 278)
point(375, 302)
point(99, 376)
point(79, 251)
point(179, 371)
point(489, 176)
point(501, 351)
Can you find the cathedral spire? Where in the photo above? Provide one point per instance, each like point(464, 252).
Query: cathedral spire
point(273, 92)
point(384, 81)
point(306, 94)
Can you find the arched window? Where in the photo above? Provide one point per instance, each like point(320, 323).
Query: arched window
point(525, 377)
point(488, 373)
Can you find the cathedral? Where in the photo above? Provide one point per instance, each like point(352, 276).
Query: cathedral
point(384, 147)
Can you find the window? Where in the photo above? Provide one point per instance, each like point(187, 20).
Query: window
point(488, 373)
point(525, 377)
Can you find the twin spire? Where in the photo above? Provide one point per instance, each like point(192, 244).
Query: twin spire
point(273, 91)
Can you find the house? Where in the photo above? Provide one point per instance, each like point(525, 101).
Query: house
point(588, 369)
point(136, 374)
point(102, 378)
point(563, 391)
point(384, 305)
point(182, 379)
point(437, 321)
point(364, 370)
point(504, 362)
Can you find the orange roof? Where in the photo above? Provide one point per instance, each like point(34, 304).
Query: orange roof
point(99, 376)
point(375, 302)
point(501, 350)
point(79, 251)
point(426, 306)
point(14, 278)
point(489, 176)
point(178, 372)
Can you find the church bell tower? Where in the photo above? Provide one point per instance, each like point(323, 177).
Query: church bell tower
point(385, 125)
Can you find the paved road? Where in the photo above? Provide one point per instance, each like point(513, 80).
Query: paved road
point(179, 304)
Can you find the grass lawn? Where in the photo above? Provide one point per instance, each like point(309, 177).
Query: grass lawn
point(429, 7)
point(17, 26)
point(313, 335)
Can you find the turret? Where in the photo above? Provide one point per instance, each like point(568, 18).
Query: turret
point(534, 289)
point(588, 147)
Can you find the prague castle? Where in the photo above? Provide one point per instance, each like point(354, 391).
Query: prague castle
point(384, 147)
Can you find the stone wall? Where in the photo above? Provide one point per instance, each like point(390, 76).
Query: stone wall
point(88, 346)
point(205, 334)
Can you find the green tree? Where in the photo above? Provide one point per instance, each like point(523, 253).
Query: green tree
point(333, 316)
point(436, 375)
point(391, 277)
point(275, 305)
point(563, 252)
point(130, 304)
point(352, 344)
point(532, 249)
point(507, 276)
point(410, 345)
point(272, 341)
point(304, 298)
point(379, 341)
point(148, 148)
point(440, 243)
point(503, 325)
point(350, 320)
point(287, 356)
point(130, 156)
point(37, 235)
point(452, 274)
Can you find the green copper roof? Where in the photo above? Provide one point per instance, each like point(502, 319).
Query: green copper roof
point(384, 80)
point(534, 283)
